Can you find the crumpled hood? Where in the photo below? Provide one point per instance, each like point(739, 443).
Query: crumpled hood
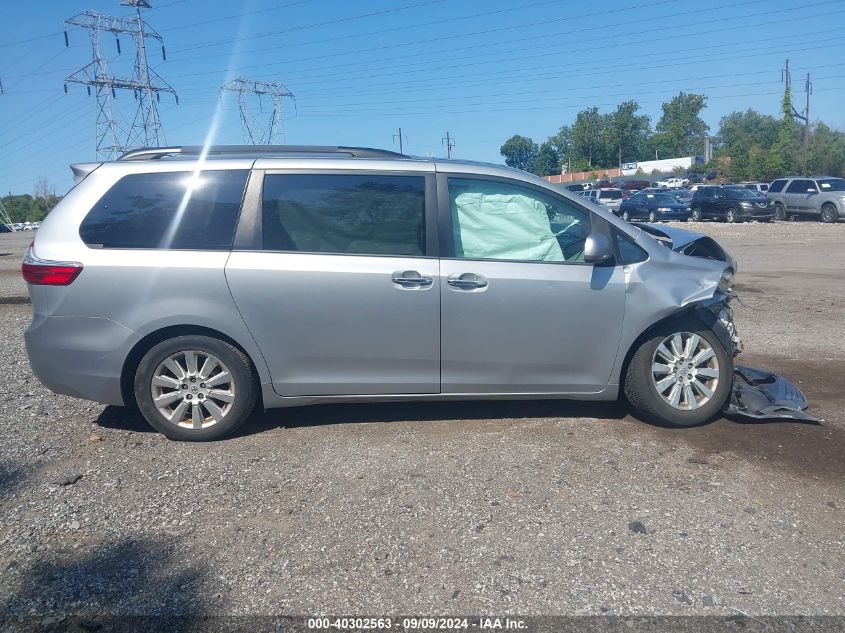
point(689, 243)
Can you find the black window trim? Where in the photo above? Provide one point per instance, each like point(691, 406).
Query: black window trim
point(447, 243)
point(249, 236)
point(94, 246)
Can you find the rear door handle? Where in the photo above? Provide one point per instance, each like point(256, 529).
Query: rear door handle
point(411, 279)
point(466, 281)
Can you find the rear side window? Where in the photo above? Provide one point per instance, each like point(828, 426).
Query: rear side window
point(168, 210)
point(798, 186)
point(344, 214)
point(777, 186)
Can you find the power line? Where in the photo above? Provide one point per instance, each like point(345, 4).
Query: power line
point(603, 27)
point(451, 37)
point(310, 26)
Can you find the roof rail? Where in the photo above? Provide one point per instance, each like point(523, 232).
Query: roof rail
point(154, 153)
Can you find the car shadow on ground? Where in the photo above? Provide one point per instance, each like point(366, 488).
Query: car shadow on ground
point(129, 419)
point(131, 575)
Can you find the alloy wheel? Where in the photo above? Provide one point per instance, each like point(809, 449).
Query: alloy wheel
point(193, 389)
point(685, 371)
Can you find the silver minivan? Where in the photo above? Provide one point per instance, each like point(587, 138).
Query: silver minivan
point(196, 282)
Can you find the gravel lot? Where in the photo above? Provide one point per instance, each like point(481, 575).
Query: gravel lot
point(459, 508)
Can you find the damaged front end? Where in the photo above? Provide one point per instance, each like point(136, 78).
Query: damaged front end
point(755, 393)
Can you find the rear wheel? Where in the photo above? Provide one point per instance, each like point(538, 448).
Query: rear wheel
point(626, 216)
point(828, 213)
point(730, 215)
point(680, 376)
point(780, 211)
point(696, 214)
point(195, 388)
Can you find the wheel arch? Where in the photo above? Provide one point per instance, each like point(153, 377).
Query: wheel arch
point(147, 342)
point(698, 312)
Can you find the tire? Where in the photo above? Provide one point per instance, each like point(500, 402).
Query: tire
point(828, 213)
point(642, 382)
point(780, 212)
point(652, 216)
point(695, 214)
point(730, 215)
point(626, 216)
point(211, 411)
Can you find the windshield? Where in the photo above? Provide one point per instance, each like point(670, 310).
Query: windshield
point(663, 198)
point(832, 184)
point(741, 192)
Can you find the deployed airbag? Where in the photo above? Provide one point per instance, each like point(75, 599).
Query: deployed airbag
point(492, 222)
point(761, 394)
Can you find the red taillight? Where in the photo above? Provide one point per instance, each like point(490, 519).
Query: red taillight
point(44, 272)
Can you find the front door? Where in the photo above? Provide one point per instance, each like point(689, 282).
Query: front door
point(521, 310)
point(796, 195)
point(340, 294)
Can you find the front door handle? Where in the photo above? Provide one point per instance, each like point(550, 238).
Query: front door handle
point(466, 281)
point(411, 279)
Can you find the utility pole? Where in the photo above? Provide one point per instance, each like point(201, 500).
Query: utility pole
point(146, 85)
point(401, 146)
point(450, 143)
point(803, 116)
point(256, 132)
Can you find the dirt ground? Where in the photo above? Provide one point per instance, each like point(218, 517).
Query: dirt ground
point(472, 508)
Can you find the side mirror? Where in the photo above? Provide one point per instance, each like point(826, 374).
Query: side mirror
point(597, 249)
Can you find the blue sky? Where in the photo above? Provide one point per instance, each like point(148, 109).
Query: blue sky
point(360, 70)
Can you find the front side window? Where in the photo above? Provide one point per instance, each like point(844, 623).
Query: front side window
point(370, 214)
point(168, 210)
point(499, 220)
point(777, 186)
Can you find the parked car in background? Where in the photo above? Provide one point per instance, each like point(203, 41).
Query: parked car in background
point(818, 197)
point(681, 195)
point(672, 182)
point(612, 198)
point(634, 185)
point(730, 203)
point(577, 187)
point(654, 207)
point(5, 228)
point(286, 276)
point(760, 187)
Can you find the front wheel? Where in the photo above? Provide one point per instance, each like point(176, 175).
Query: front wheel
point(828, 214)
point(680, 376)
point(780, 211)
point(696, 214)
point(730, 215)
point(652, 216)
point(626, 216)
point(195, 388)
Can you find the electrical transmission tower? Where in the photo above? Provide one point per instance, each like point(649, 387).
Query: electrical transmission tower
point(255, 130)
point(144, 130)
point(4, 217)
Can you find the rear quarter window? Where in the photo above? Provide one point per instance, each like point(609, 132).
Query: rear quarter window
point(168, 210)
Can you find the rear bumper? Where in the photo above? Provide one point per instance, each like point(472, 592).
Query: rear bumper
point(79, 356)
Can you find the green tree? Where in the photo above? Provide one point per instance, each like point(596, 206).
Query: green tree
point(680, 130)
point(782, 157)
point(562, 144)
point(546, 162)
point(825, 151)
point(628, 132)
point(519, 152)
point(589, 137)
